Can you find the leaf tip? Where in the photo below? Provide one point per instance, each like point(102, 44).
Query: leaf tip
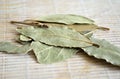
point(12, 22)
point(103, 28)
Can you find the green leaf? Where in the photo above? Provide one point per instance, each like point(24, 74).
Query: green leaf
point(106, 51)
point(12, 48)
point(50, 54)
point(65, 19)
point(57, 36)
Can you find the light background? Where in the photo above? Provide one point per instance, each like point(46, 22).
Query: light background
point(14, 66)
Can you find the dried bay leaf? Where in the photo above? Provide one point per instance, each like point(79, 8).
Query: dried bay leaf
point(76, 22)
point(78, 27)
point(65, 19)
point(106, 51)
point(56, 36)
point(50, 54)
point(12, 48)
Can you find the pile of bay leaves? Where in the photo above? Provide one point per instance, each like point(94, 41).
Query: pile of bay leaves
point(54, 38)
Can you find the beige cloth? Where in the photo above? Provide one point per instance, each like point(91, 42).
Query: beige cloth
point(14, 66)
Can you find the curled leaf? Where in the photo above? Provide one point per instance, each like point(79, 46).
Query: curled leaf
point(106, 51)
point(12, 48)
point(82, 28)
point(50, 54)
point(57, 36)
point(78, 27)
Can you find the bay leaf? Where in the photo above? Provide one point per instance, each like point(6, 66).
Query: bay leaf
point(79, 27)
point(12, 48)
point(56, 36)
point(51, 54)
point(65, 19)
point(106, 51)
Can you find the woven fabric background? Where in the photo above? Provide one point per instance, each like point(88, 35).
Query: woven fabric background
point(14, 66)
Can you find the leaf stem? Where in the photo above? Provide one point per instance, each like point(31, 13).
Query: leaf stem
point(103, 28)
point(32, 23)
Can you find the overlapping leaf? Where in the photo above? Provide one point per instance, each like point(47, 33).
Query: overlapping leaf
point(12, 48)
point(65, 19)
point(57, 36)
point(106, 51)
point(50, 54)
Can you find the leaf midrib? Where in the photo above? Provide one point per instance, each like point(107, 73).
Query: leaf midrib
point(67, 38)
